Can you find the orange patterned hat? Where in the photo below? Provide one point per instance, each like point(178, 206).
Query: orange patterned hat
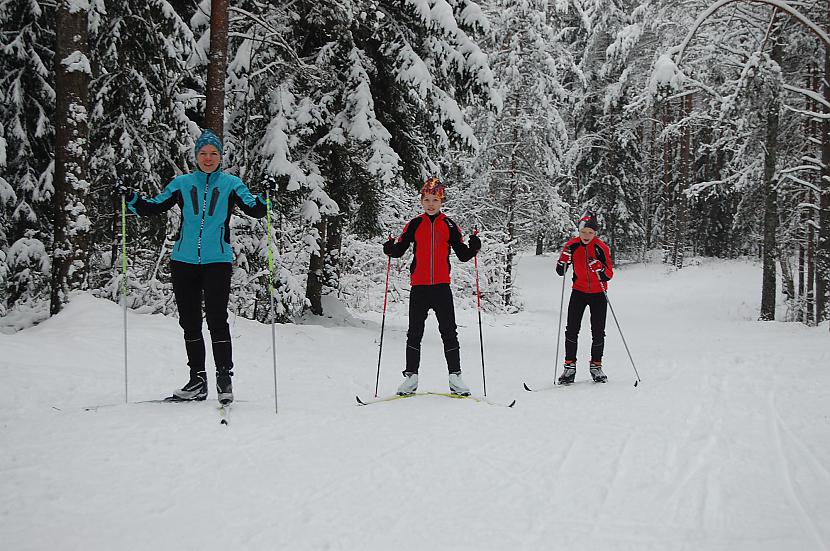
point(434, 186)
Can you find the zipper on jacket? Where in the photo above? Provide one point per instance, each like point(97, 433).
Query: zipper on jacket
point(202, 225)
point(432, 254)
point(587, 268)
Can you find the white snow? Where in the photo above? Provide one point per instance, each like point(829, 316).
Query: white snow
point(722, 446)
point(76, 62)
point(665, 75)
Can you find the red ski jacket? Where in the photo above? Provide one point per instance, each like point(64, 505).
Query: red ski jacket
point(432, 239)
point(592, 264)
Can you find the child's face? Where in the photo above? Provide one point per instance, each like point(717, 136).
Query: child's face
point(586, 235)
point(208, 158)
point(431, 203)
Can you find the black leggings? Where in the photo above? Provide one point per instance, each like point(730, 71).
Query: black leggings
point(422, 299)
point(576, 307)
point(190, 283)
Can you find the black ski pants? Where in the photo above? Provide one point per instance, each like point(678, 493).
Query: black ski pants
point(422, 299)
point(192, 282)
point(576, 308)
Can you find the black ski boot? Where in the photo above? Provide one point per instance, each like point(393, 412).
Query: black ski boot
point(597, 373)
point(568, 373)
point(224, 388)
point(194, 390)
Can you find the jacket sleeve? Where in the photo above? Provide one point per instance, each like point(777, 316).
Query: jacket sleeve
point(462, 251)
point(604, 256)
point(407, 236)
point(566, 256)
point(245, 200)
point(162, 202)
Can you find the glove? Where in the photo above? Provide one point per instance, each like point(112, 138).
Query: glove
point(596, 266)
point(120, 188)
point(270, 185)
point(389, 247)
point(474, 244)
point(561, 267)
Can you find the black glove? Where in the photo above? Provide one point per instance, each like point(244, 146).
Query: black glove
point(270, 185)
point(474, 244)
point(120, 188)
point(561, 267)
point(389, 247)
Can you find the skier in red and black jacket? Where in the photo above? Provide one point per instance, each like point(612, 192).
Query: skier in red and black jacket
point(433, 234)
point(592, 269)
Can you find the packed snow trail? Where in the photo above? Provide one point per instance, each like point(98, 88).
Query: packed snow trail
point(722, 446)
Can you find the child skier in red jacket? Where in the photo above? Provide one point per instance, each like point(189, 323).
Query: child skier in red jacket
point(592, 269)
point(432, 234)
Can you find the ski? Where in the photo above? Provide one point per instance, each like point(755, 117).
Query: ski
point(479, 399)
point(225, 413)
point(551, 387)
point(168, 400)
point(539, 389)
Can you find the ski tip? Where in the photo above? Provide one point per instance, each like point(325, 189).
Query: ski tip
point(359, 401)
point(511, 404)
point(224, 422)
point(637, 382)
point(527, 388)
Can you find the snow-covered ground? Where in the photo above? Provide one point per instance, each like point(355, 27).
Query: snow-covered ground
point(723, 445)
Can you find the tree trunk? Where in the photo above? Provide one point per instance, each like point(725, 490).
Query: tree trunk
point(334, 239)
point(810, 293)
point(668, 203)
point(511, 219)
point(69, 219)
point(650, 146)
point(540, 243)
point(314, 283)
point(217, 67)
point(682, 199)
point(770, 204)
point(823, 247)
point(787, 280)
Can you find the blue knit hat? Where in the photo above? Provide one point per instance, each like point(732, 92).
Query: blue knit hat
point(208, 138)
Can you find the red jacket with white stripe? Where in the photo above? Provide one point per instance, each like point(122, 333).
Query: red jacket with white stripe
point(433, 238)
point(592, 267)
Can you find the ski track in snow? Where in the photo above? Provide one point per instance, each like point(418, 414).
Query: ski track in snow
point(721, 447)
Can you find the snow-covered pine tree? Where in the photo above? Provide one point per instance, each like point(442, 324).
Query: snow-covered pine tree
point(145, 97)
point(510, 187)
point(606, 154)
point(381, 84)
point(27, 136)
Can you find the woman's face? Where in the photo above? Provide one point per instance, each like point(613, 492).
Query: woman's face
point(208, 158)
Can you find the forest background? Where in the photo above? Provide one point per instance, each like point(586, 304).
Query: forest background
point(693, 128)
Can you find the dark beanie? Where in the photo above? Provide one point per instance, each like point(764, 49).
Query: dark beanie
point(589, 220)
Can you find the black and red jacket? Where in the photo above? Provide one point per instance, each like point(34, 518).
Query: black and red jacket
point(433, 237)
point(585, 278)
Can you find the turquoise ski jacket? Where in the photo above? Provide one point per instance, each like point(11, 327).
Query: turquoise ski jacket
point(206, 202)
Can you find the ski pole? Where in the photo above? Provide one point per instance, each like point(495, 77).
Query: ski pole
point(478, 307)
point(559, 330)
point(271, 294)
point(124, 286)
point(383, 323)
point(621, 335)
